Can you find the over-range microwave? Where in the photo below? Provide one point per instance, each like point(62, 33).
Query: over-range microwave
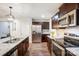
point(70, 19)
point(63, 21)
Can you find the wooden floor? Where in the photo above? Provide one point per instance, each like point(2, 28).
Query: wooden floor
point(38, 49)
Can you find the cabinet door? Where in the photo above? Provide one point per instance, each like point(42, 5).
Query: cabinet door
point(63, 21)
point(49, 45)
point(24, 49)
point(26, 44)
point(67, 7)
point(45, 25)
point(72, 18)
point(20, 49)
point(44, 38)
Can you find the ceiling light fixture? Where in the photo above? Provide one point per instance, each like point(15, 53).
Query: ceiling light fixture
point(43, 16)
point(10, 16)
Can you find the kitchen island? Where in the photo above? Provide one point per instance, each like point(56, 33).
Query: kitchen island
point(20, 46)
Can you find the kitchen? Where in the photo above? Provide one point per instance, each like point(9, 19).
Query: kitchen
point(32, 35)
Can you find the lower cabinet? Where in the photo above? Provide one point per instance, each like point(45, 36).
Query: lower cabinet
point(20, 49)
point(23, 47)
point(44, 37)
point(49, 44)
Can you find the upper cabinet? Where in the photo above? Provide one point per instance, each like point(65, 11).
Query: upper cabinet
point(45, 25)
point(73, 17)
point(67, 7)
point(55, 20)
point(68, 15)
point(63, 21)
point(70, 19)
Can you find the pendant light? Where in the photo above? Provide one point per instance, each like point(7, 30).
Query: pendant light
point(10, 16)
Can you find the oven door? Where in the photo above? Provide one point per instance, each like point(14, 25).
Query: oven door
point(58, 50)
point(66, 44)
point(71, 42)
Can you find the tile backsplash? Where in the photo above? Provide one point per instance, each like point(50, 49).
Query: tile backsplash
point(69, 30)
point(60, 32)
point(73, 30)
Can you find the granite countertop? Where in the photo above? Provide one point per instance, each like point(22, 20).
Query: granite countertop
point(58, 37)
point(45, 33)
point(59, 40)
point(74, 50)
point(6, 47)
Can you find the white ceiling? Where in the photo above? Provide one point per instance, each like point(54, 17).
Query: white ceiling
point(34, 10)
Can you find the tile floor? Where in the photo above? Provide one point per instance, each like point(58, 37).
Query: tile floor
point(38, 49)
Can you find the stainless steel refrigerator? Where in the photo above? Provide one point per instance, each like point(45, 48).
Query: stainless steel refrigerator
point(36, 33)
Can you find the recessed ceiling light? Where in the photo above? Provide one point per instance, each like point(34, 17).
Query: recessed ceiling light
point(43, 16)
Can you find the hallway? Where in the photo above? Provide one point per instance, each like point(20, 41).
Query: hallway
point(38, 49)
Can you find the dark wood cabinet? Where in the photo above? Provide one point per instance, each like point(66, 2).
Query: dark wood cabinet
point(67, 7)
point(44, 37)
point(23, 47)
point(70, 19)
point(68, 15)
point(20, 49)
point(36, 23)
point(49, 44)
point(45, 25)
point(55, 20)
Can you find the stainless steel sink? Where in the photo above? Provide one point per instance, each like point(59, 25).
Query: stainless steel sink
point(12, 41)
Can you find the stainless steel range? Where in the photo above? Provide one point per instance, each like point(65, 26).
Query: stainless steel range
point(71, 40)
